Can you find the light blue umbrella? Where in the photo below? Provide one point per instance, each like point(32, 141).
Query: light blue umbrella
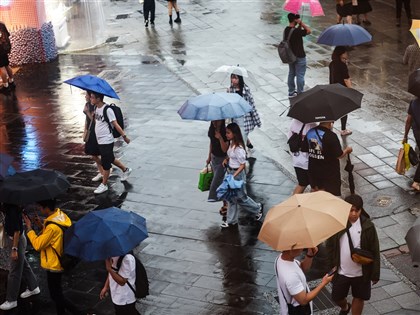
point(94, 84)
point(344, 35)
point(214, 106)
point(229, 188)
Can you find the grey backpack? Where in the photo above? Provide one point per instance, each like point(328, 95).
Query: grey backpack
point(285, 51)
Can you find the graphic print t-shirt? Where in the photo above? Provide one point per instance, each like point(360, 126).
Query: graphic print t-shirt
point(103, 133)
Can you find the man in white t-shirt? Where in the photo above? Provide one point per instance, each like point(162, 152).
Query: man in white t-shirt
point(291, 281)
point(106, 140)
point(122, 295)
point(350, 274)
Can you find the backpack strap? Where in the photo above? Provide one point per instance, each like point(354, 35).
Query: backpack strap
point(119, 263)
point(62, 238)
point(106, 117)
point(277, 277)
point(290, 34)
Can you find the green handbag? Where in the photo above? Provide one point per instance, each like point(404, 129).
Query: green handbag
point(206, 176)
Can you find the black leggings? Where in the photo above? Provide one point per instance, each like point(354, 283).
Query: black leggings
point(56, 293)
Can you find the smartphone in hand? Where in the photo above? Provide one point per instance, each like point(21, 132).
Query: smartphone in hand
point(332, 271)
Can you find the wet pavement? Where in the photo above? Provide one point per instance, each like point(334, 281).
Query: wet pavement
point(193, 266)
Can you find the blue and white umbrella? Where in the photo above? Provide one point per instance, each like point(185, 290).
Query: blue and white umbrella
point(344, 35)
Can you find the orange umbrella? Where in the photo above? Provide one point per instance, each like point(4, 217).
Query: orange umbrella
point(415, 29)
point(304, 221)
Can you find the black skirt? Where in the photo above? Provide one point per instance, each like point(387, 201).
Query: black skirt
point(363, 6)
point(91, 146)
point(4, 60)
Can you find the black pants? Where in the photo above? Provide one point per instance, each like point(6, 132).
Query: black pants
point(407, 8)
point(56, 293)
point(149, 6)
point(129, 309)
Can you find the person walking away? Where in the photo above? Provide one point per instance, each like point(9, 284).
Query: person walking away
point(398, 9)
point(291, 281)
point(122, 296)
point(413, 121)
point(50, 244)
point(412, 57)
point(149, 6)
point(251, 120)
point(339, 73)
point(89, 137)
point(350, 274)
point(324, 154)
point(344, 9)
point(300, 159)
point(363, 8)
point(106, 141)
point(217, 153)
point(6, 72)
point(20, 268)
point(172, 4)
point(297, 69)
point(235, 163)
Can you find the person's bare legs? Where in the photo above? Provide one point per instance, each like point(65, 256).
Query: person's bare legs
point(3, 74)
point(342, 304)
point(299, 189)
point(97, 160)
point(119, 164)
point(349, 19)
point(357, 306)
point(9, 73)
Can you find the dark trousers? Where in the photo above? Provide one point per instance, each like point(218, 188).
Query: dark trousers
point(56, 293)
point(149, 7)
point(129, 309)
point(407, 8)
point(417, 137)
point(343, 122)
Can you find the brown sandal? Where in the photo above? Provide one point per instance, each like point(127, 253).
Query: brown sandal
point(223, 211)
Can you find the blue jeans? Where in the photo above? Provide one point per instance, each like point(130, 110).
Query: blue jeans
point(297, 69)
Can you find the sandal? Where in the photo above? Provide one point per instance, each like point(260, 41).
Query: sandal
point(347, 311)
point(223, 211)
point(416, 186)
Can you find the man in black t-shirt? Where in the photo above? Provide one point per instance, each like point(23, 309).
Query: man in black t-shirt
point(324, 154)
point(298, 68)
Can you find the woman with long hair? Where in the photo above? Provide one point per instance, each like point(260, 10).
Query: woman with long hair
point(235, 164)
point(6, 72)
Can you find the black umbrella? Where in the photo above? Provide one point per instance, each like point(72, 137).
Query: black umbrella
point(414, 83)
point(27, 187)
point(349, 168)
point(324, 103)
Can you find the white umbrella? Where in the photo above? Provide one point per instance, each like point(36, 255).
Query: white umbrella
point(223, 73)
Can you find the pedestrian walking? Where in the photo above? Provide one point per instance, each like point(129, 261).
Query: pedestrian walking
point(339, 73)
point(412, 57)
point(89, 137)
point(235, 164)
point(149, 7)
point(297, 69)
point(344, 9)
point(398, 10)
point(217, 153)
point(295, 297)
point(363, 7)
point(20, 268)
point(251, 120)
point(361, 234)
point(6, 72)
point(106, 141)
point(172, 4)
point(413, 122)
point(49, 242)
point(300, 159)
point(324, 154)
point(122, 296)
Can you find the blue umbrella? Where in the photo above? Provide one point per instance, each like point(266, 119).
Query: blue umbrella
point(94, 84)
point(105, 233)
point(214, 106)
point(6, 168)
point(344, 35)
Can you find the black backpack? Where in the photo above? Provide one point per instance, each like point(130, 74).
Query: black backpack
point(118, 115)
point(142, 282)
point(68, 262)
point(297, 143)
point(285, 51)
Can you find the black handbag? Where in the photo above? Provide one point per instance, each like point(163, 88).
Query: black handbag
point(412, 156)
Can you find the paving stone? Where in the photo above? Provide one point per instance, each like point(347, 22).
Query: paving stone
point(386, 306)
point(396, 289)
point(408, 299)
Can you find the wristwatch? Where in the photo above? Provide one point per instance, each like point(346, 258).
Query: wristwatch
point(124, 136)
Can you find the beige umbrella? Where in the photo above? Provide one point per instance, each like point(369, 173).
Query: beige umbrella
point(304, 221)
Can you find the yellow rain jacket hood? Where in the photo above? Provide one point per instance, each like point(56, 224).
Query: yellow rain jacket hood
point(50, 237)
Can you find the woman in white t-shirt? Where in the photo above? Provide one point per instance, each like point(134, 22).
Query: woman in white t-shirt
point(235, 164)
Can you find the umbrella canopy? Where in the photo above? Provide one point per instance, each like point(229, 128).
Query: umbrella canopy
point(94, 84)
point(294, 6)
point(28, 187)
point(415, 30)
point(344, 35)
point(105, 233)
point(6, 168)
point(224, 72)
point(324, 103)
point(414, 83)
point(214, 106)
point(304, 221)
point(413, 242)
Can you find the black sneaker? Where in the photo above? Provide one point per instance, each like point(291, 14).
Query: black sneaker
point(146, 23)
point(260, 213)
point(177, 20)
point(250, 146)
point(152, 23)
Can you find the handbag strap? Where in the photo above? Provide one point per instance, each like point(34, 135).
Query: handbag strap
point(350, 241)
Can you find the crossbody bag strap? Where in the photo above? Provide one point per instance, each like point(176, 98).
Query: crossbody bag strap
point(277, 276)
point(350, 241)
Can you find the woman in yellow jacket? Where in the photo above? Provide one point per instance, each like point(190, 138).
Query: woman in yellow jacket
point(50, 243)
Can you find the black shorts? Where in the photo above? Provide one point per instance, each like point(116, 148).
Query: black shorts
point(302, 176)
point(359, 288)
point(344, 10)
point(329, 184)
point(107, 155)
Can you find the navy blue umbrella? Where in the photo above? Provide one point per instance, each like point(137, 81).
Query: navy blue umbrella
point(344, 35)
point(94, 84)
point(105, 233)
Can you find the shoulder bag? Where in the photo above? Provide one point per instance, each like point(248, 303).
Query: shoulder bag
point(360, 256)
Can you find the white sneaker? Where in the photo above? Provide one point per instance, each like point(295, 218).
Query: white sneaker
point(8, 305)
point(125, 175)
point(101, 189)
point(29, 293)
point(97, 178)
